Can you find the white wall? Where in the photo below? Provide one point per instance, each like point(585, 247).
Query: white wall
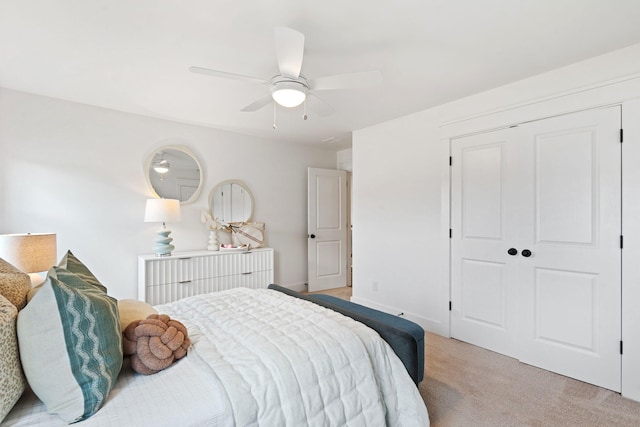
point(401, 190)
point(396, 220)
point(345, 159)
point(78, 171)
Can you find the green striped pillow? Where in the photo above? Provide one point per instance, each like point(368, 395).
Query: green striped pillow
point(70, 344)
point(72, 264)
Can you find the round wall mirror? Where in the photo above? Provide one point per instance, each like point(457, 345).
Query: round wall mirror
point(231, 201)
point(173, 172)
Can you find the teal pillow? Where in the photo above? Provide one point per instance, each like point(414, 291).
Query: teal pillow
point(72, 264)
point(70, 343)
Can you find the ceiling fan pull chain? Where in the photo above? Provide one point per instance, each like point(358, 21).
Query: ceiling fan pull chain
point(304, 116)
point(274, 117)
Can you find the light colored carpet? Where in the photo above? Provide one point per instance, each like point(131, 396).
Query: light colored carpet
point(465, 385)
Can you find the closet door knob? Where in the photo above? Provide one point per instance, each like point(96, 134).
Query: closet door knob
point(512, 251)
point(526, 253)
point(313, 236)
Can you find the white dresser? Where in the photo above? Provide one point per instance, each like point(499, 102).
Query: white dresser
point(166, 279)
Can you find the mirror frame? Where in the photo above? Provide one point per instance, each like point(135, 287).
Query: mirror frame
point(232, 181)
point(185, 150)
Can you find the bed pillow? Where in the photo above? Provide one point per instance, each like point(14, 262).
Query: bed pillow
point(71, 263)
point(70, 344)
point(14, 284)
point(12, 381)
point(132, 309)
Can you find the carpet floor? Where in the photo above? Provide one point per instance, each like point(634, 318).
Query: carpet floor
point(465, 385)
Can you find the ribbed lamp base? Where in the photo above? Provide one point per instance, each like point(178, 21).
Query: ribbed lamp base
point(163, 245)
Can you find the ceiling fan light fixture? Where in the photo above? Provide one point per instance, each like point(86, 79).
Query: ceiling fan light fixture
point(289, 94)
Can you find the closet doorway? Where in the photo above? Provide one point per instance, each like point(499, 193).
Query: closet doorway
point(535, 247)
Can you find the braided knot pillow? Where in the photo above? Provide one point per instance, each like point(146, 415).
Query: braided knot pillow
point(154, 343)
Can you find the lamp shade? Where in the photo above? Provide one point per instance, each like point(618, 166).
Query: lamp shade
point(162, 210)
point(30, 253)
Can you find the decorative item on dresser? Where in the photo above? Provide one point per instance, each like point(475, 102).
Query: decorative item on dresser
point(31, 253)
point(213, 226)
point(166, 279)
point(163, 210)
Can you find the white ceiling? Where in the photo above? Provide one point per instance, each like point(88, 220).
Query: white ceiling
point(134, 55)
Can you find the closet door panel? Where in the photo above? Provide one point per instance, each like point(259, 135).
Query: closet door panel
point(566, 175)
point(483, 171)
point(570, 287)
point(483, 275)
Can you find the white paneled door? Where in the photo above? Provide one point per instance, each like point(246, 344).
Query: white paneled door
point(547, 196)
point(570, 288)
point(327, 228)
point(483, 276)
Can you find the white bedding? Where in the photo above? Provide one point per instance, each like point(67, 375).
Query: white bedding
point(260, 357)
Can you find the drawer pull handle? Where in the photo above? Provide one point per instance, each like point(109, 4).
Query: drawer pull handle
point(184, 259)
point(248, 272)
point(184, 281)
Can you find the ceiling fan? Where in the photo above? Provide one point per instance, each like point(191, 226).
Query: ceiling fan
point(290, 88)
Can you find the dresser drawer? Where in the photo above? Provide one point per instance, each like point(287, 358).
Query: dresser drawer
point(244, 262)
point(172, 270)
point(253, 280)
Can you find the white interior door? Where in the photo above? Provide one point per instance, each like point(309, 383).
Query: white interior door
point(327, 228)
point(571, 222)
point(484, 222)
point(549, 192)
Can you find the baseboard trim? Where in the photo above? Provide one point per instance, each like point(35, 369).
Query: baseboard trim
point(428, 324)
point(298, 287)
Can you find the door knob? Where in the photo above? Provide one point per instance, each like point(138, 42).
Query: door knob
point(512, 251)
point(526, 253)
point(313, 236)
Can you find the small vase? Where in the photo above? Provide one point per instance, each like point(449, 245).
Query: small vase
point(213, 241)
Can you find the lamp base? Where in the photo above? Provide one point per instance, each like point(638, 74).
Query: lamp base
point(163, 245)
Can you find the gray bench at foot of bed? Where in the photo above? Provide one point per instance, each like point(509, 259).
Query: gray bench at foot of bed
point(406, 338)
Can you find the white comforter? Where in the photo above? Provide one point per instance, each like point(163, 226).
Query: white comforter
point(269, 359)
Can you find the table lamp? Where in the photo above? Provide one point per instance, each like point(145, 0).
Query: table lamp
point(31, 253)
point(162, 210)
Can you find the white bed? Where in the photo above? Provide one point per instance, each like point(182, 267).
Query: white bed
point(260, 357)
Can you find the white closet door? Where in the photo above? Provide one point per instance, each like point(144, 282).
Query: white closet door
point(569, 210)
point(484, 219)
point(550, 190)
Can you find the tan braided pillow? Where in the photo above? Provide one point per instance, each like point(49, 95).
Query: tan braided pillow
point(154, 343)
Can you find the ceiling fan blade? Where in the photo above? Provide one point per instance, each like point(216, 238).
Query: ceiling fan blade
point(289, 51)
point(225, 75)
point(347, 81)
point(318, 106)
point(256, 105)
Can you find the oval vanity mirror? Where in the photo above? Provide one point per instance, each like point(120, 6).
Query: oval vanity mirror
point(173, 172)
point(231, 201)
